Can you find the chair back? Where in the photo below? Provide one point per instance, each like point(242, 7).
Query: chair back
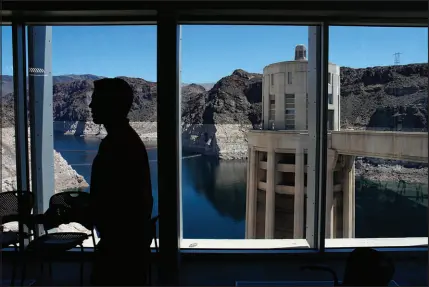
point(69, 206)
point(15, 206)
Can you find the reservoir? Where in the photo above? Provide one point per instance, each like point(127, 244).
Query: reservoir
point(214, 196)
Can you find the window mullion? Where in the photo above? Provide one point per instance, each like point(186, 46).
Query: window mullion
point(169, 144)
point(323, 122)
point(41, 116)
point(21, 123)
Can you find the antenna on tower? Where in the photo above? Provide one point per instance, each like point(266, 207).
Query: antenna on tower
point(397, 58)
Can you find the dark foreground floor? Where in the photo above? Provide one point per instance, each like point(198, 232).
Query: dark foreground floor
point(221, 271)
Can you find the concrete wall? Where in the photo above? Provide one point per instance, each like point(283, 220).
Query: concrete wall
point(334, 89)
point(279, 164)
point(291, 77)
point(390, 145)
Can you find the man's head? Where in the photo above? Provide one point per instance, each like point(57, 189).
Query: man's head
point(111, 100)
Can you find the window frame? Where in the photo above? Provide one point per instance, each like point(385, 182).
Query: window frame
point(306, 111)
point(330, 99)
point(377, 19)
point(289, 78)
point(21, 117)
point(289, 118)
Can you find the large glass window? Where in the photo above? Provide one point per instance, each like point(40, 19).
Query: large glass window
point(227, 192)
point(238, 183)
point(81, 55)
point(377, 173)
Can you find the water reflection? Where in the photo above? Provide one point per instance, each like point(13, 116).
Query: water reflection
point(223, 183)
point(390, 210)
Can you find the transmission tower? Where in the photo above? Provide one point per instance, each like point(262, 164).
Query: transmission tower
point(397, 121)
point(397, 58)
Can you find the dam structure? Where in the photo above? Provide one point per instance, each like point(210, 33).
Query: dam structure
point(278, 156)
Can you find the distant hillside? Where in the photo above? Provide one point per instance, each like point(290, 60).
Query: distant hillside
point(206, 86)
point(371, 98)
point(385, 97)
point(71, 78)
point(6, 84)
point(7, 81)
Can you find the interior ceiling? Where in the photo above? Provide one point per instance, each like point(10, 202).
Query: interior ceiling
point(366, 12)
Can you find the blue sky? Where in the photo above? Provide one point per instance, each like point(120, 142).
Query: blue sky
point(212, 52)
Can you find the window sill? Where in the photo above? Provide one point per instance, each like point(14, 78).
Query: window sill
point(264, 245)
point(377, 242)
point(247, 244)
point(275, 244)
point(261, 249)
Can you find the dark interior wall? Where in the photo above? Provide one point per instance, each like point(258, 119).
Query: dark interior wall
point(409, 273)
point(225, 271)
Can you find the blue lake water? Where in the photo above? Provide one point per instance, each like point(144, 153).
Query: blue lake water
point(214, 196)
point(213, 192)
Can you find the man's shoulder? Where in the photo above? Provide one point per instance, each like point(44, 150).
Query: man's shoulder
point(134, 137)
point(105, 144)
point(134, 143)
point(128, 141)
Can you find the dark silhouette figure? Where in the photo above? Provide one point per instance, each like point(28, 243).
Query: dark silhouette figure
point(121, 191)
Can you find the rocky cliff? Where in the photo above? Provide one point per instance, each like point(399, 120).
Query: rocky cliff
point(65, 176)
point(386, 98)
point(215, 120)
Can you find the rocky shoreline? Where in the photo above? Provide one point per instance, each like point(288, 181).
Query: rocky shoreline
point(229, 142)
point(384, 171)
point(65, 176)
point(226, 141)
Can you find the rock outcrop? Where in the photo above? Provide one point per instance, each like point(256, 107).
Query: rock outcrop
point(216, 122)
point(65, 176)
point(385, 98)
point(394, 171)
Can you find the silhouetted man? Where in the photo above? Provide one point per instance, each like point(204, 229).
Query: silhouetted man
point(121, 191)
